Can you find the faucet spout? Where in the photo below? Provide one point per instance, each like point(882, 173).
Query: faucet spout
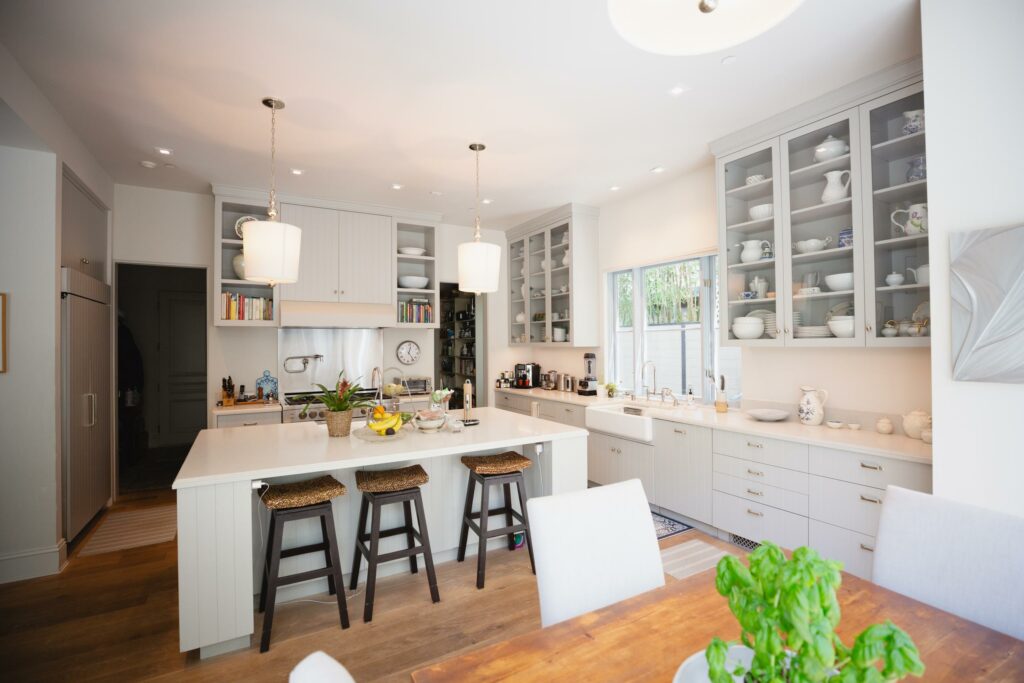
point(652, 389)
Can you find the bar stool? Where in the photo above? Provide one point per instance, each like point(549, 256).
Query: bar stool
point(380, 488)
point(288, 503)
point(502, 469)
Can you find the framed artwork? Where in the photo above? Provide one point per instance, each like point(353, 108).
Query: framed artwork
point(3, 332)
point(987, 308)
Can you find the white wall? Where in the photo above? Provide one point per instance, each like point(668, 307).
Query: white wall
point(30, 537)
point(973, 71)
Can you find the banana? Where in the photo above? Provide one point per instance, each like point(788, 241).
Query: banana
point(389, 422)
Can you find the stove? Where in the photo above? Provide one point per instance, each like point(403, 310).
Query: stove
point(293, 407)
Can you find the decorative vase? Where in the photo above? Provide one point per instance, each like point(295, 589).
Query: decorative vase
point(238, 264)
point(812, 405)
point(339, 422)
point(835, 188)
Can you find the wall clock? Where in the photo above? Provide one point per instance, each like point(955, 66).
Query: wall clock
point(408, 352)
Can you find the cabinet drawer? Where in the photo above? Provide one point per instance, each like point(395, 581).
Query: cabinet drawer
point(759, 522)
point(870, 470)
point(562, 412)
point(850, 506)
point(855, 551)
point(516, 404)
point(770, 475)
point(248, 419)
point(760, 493)
point(786, 454)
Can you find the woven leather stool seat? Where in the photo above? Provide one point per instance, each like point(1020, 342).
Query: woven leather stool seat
point(386, 481)
point(502, 463)
point(303, 493)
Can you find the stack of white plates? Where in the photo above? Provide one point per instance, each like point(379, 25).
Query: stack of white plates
point(812, 332)
point(770, 328)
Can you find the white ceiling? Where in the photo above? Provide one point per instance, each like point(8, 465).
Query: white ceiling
point(392, 91)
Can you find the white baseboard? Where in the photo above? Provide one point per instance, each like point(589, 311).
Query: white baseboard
point(28, 564)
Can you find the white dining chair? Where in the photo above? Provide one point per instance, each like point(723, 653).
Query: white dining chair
point(593, 548)
point(960, 558)
point(320, 667)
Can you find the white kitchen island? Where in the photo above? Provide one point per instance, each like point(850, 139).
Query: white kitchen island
point(221, 522)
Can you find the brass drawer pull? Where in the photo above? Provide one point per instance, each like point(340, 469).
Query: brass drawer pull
point(755, 472)
point(876, 468)
point(755, 493)
point(680, 431)
point(754, 444)
point(867, 547)
point(868, 499)
point(755, 514)
point(249, 424)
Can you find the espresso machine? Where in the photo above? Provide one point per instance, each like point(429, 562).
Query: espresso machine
point(527, 376)
point(587, 385)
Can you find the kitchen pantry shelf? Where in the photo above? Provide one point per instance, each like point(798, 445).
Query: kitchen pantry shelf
point(229, 292)
point(880, 158)
point(421, 304)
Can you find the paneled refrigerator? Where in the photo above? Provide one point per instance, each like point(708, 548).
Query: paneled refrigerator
point(85, 371)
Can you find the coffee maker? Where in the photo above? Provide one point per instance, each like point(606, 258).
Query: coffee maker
point(527, 375)
point(587, 385)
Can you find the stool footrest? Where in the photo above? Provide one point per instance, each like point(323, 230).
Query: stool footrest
point(496, 512)
point(304, 576)
point(316, 547)
point(503, 531)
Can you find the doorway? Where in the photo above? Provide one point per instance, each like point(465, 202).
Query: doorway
point(161, 371)
point(461, 347)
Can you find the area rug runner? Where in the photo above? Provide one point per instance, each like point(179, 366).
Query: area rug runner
point(689, 558)
point(132, 529)
point(666, 527)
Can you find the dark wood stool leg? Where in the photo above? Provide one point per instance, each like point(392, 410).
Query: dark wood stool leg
point(334, 561)
point(410, 539)
point(466, 511)
point(520, 487)
point(481, 553)
point(428, 557)
point(275, 566)
point(371, 561)
point(507, 488)
point(357, 555)
point(331, 589)
point(266, 562)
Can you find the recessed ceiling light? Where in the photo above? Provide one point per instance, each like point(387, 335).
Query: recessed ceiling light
point(436, 193)
point(146, 163)
point(728, 59)
point(164, 151)
point(297, 171)
point(486, 201)
point(397, 186)
point(170, 166)
point(614, 188)
point(678, 90)
point(658, 169)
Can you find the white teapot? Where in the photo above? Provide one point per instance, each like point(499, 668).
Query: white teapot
point(916, 422)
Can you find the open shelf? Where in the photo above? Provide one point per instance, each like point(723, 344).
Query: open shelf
point(753, 226)
point(913, 287)
point(814, 172)
point(902, 192)
point(819, 211)
point(823, 255)
point(823, 295)
point(899, 148)
point(901, 242)
point(753, 265)
point(759, 190)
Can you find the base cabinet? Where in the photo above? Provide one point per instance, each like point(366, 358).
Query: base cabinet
point(611, 459)
point(682, 469)
point(759, 522)
point(856, 551)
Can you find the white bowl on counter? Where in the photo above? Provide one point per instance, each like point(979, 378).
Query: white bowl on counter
point(413, 281)
point(759, 211)
point(747, 327)
point(839, 282)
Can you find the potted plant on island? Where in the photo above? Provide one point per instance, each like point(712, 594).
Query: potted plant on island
point(340, 402)
point(788, 612)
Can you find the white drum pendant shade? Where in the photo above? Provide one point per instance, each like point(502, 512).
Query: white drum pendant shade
point(479, 267)
point(680, 27)
point(271, 251)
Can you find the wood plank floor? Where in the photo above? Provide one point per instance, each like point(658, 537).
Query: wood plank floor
point(114, 617)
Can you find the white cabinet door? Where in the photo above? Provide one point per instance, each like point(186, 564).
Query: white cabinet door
point(635, 461)
point(318, 255)
point(599, 458)
point(682, 469)
point(366, 259)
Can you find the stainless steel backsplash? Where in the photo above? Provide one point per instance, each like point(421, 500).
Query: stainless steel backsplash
point(356, 352)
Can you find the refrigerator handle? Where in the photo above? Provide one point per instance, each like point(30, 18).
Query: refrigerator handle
point(91, 398)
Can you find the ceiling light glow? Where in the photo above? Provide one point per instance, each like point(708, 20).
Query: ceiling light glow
point(678, 90)
point(658, 169)
point(297, 171)
point(146, 163)
point(397, 186)
point(614, 188)
point(164, 151)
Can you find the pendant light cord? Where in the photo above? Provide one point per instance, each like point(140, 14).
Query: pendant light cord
point(272, 212)
point(476, 234)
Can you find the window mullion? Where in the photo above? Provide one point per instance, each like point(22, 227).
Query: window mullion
point(639, 321)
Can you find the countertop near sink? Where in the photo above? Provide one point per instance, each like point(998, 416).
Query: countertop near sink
point(559, 396)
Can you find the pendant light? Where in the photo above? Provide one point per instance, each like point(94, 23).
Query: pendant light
point(271, 247)
point(694, 27)
point(479, 262)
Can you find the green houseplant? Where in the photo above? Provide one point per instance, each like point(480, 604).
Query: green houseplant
point(788, 611)
point(340, 402)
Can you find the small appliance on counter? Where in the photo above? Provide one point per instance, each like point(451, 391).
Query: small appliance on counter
point(568, 382)
point(527, 376)
point(588, 383)
point(550, 380)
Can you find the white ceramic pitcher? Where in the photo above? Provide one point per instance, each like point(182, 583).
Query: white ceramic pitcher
point(812, 405)
point(835, 188)
point(917, 220)
point(752, 250)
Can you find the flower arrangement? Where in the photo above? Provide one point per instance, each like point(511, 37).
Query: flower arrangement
point(340, 402)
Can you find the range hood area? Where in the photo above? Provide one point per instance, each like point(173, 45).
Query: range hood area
point(337, 315)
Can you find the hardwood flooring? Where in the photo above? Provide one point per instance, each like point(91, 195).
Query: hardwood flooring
point(114, 617)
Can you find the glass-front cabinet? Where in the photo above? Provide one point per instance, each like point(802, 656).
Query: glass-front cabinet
point(750, 232)
point(824, 231)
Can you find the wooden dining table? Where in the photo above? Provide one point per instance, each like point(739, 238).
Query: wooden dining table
point(646, 638)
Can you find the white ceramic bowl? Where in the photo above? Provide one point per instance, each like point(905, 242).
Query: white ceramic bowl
point(839, 282)
point(759, 211)
point(412, 251)
point(413, 281)
point(756, 178)
point(748, 328)
point(834, 424)
point(813, 244)
point(841, 328)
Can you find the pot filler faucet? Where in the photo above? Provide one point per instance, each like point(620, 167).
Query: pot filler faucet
point(652, 388)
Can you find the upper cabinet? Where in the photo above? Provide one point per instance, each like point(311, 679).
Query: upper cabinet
point(318, 255)
point(552, 271)
point(823, 231)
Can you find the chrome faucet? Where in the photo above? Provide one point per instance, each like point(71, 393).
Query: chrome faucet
point(652, 389)
point(666, 394)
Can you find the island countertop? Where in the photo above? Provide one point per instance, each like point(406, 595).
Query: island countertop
point(277, 450)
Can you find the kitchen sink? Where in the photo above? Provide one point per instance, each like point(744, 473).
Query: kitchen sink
point(627, 421)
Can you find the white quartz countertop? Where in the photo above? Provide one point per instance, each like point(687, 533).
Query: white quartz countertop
point(560, 396)
point(273, 407)
point(278, 450)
